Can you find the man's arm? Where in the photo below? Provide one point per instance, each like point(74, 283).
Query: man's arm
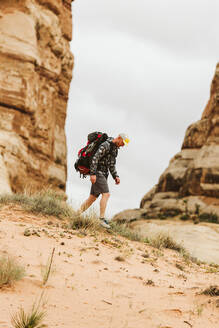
point(112, 169)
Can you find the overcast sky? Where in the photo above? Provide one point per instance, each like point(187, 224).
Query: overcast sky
point(142, 67)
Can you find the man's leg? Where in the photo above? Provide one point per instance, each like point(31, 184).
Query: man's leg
point(88, 202)
point(103, 204)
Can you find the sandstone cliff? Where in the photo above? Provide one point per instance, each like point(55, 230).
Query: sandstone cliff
point(192, 178)
point(35, 74)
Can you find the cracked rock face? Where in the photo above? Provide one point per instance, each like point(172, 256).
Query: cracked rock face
point(193, 174)
point(35, 74)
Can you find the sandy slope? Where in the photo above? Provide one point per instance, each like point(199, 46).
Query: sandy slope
point(89, 288)
point(201, 240)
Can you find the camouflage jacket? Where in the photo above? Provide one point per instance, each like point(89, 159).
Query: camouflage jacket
point(104, 159)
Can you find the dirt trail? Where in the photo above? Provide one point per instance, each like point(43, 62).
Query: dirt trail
point(89, 288)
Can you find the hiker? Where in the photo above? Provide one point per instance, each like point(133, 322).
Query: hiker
point(103, 161)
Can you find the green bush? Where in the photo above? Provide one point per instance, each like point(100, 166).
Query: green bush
point(185, 217)
point(162, 216)
point(209, 217)
point(169, 213)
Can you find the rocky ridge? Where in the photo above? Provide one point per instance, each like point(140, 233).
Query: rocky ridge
point(189, 187)
point(191, 181)
point(35, 74)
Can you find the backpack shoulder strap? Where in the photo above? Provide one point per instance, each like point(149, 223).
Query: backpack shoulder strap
point(110, 146)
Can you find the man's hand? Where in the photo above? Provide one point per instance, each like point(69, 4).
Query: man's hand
point(93, 179)
point(117, 180)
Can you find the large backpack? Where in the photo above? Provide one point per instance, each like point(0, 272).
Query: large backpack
point(85, 154)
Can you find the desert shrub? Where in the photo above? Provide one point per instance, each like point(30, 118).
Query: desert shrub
point(185, 217)
point(88, 222)
point(212, 291)
point(197, 209)
point(163, 240)
point(46, 202)
point(49, 204)
point(162, 216)
point(149, 282)
point(169, 213)
point(180, 266)
point(125, 231)
point(13, 198)
point(185, 201)
point(209, 217)
point(10, 271)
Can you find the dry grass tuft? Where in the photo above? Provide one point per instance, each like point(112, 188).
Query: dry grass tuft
point(88, 222)
point(33, 319)
point(10, 271)
point(125, 231)
point(212, 291)
point(50, 203)
point(46, 202)
point(149, 282)
point(164, 240)
point(160, 241)
point(47, 269)
point(180, 266)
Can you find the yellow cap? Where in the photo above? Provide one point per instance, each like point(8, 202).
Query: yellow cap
point(125, 138)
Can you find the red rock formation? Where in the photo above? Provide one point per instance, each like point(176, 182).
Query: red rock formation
point(193, 174)
point(35, 74)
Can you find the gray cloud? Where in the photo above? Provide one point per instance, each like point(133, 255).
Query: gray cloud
point(179, 25)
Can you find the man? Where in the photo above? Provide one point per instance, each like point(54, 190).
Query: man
point(102, 162)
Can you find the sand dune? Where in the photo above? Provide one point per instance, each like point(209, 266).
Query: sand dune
point(90, 288)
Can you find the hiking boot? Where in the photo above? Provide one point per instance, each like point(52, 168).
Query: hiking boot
point(104, 223)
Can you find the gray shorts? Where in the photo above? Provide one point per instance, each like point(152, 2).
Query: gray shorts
point(100, 186)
